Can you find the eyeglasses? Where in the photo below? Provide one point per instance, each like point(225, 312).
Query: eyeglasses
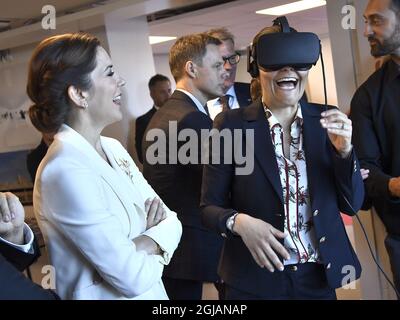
point(233, 59)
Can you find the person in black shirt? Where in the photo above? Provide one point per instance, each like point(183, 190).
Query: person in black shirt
point(375, 112)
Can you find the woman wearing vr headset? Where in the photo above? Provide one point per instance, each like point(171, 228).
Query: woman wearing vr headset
point(284, 236)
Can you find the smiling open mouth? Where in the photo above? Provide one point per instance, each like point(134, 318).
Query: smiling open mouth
point(287, 83)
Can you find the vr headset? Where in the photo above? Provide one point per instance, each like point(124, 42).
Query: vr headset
point(273, 51)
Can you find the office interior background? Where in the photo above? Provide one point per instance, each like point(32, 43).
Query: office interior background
point(124, 28)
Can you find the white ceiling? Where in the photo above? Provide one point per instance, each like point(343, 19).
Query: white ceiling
point(27, 9)
point(238, 16)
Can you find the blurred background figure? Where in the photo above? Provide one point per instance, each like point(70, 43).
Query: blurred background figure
point(36, 155)
point(160, 91)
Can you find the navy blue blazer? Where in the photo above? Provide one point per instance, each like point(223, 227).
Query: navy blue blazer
point(14, 285)
point(242, 91)
point(179, 186)
point(335, 186)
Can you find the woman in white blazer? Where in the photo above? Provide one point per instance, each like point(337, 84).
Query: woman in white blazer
point(107, 233)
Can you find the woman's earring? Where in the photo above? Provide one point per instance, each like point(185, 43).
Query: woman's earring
point(84, 103)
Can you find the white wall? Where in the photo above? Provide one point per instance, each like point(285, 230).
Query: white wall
point(17, 134)
point(130, 50)
point(315, 88)
point(162, 67)
point(241, 74)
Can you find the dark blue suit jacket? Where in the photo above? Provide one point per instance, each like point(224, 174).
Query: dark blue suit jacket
point(179, 186)
point(242, 91)
point(14, 285)
point(335, 185)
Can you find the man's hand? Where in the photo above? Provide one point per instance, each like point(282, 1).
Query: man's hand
point(11, 218)
point(364, 173)
point(340, 129)
point(155, 212)
point(394, 187)
point(261, 239)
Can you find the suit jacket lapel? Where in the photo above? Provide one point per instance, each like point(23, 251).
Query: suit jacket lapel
point(179, 95)
point(108, 174)
point(243, 98)
point(122, 166)
point(314, 140)
point(264, 150)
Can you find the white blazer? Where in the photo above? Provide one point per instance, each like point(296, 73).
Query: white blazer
point(89, 212)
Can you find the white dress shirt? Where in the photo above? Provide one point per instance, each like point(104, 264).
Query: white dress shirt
point(215, 107)
point(28, 239)
point(195, 100)
point(301, 241)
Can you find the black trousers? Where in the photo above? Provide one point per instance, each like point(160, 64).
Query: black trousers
point(300, 282)
point(182, 289)
point(392, 244)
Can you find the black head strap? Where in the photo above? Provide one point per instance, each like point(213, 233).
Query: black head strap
point(283, 23)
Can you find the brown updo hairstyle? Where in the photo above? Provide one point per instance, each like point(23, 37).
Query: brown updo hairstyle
point(57, 63)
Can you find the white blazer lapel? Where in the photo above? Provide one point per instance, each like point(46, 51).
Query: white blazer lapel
point(122, 163)
point(109, 175)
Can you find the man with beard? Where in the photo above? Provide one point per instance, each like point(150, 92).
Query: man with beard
point(375, 112)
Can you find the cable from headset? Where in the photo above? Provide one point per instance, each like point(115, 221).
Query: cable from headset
point(370, 249)
point(324, 78)
point(376, 260)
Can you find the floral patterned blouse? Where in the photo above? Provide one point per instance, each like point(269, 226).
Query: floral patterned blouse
point(301, 241)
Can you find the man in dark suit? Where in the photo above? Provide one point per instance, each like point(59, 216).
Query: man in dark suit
point(18, 250)
point(160, 91)
point(197, 67)
point(236, 94)
point(285, 238)
point(375, 114)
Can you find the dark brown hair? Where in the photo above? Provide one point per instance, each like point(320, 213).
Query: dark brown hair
point(57, 63)
point(189, 48)
point(255, 89)
point(266, 30)
point(157, 78)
